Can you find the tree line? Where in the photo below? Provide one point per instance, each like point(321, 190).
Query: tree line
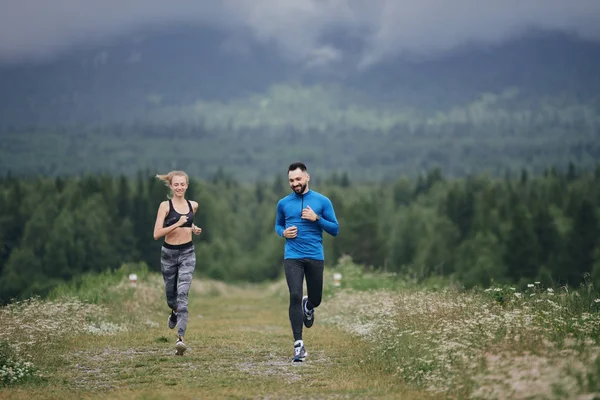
point(488, 136)
point(478, 229)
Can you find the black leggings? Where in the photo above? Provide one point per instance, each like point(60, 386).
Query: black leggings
point(295, 271)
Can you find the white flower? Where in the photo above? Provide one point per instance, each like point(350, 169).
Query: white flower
point(530, 285)
point(596, 300)
point(550, 290)
point(537, 283)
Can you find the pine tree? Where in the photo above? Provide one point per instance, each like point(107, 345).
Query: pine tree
point(581, 243)
point(521, 246)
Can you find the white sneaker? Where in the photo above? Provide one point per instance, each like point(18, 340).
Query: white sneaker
point(300, 353)
point(180, 347)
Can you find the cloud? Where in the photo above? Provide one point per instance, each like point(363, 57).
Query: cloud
point(433, 26)
point(32, 29)
point(323, 56)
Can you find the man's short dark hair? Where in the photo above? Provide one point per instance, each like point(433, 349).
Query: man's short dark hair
point(296, 165)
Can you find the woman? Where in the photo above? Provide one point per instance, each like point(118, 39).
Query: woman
point(175, 221)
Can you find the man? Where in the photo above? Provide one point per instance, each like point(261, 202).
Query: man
point(302, 216)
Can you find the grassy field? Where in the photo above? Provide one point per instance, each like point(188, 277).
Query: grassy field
point(239, 338)
point(374, 337)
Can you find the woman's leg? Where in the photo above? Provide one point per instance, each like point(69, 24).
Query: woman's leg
point(169, 268)
point(187, 260)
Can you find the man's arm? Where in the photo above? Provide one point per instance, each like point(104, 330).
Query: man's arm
point(280, 220)
point(328, 221)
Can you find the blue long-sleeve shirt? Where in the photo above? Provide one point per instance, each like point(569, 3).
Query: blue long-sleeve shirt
point(308, 242)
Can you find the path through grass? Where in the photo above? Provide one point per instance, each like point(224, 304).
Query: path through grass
point(240, 347)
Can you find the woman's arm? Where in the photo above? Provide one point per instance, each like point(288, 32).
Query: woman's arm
point(159, 231)
point(195, 228)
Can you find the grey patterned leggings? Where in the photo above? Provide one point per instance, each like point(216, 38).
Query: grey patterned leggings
point(177, 264)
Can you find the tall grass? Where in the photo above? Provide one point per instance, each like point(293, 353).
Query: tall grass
point(492, 343)
point(101, 288)
point(93, 304)
point(12, 369)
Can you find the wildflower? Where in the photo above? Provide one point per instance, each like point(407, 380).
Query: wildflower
point(518, 295)
point(537, 283)
point(596, 300)
point(530, 285)
point(550, 290)
point(585, 316)
point(553, 303)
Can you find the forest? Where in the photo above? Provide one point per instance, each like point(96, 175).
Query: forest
point(253, 138)
point(475, 230)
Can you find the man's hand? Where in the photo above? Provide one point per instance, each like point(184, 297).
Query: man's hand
point(309, 214)
point(290, 232)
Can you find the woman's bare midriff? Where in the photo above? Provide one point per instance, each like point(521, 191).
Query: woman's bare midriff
point(179, 236)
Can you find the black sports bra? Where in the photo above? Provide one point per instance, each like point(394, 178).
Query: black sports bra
point(173, 216)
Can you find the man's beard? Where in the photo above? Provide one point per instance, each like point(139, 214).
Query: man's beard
point(301, 189)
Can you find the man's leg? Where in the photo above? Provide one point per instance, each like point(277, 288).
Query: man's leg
point(294, 275)
point(313, 269)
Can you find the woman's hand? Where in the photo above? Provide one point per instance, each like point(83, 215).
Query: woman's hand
point(182, 220)
point(196, 229)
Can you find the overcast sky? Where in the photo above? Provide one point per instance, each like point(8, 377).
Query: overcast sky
point(31, 29)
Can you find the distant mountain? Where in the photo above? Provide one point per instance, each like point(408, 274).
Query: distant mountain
point(539, 64)
point(121, 78)
point(169, 72)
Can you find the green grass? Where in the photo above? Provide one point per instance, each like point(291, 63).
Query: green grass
point(492, 343)
point(99, 288)
point(240, 342)
point(376, 336)
point(14, 371)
